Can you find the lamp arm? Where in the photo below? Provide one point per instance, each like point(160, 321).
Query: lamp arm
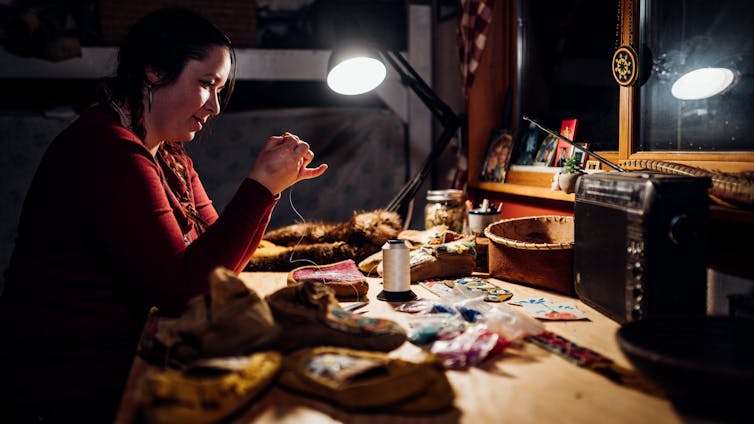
point(411, 78)
point(450, 121)
point(408, 191)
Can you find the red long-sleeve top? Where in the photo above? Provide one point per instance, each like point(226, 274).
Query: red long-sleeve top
point(98, 244)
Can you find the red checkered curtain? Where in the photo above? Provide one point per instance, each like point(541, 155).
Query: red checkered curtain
point(472, 36)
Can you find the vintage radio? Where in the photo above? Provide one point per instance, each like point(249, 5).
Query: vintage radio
point(639, 242)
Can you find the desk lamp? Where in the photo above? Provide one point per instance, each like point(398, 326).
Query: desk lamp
point(353, 70)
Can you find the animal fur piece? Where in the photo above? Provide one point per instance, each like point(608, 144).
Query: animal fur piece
point(323, 243)
point(734, 189)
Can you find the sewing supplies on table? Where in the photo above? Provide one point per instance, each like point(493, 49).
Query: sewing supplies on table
point(396, 275)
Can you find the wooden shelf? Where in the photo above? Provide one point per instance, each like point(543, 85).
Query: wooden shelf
point(529, 181)
point(732, 215)
point(526, 190)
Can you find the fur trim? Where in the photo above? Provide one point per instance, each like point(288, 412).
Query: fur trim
point(322, 243)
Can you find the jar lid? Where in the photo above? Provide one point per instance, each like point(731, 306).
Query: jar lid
point(450, 194)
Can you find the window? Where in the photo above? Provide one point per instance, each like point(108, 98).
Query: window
point(563, 70)
point(708, 44)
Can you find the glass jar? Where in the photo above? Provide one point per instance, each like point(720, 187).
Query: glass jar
point(445, 207)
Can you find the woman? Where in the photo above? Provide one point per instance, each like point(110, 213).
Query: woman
point(116, 221)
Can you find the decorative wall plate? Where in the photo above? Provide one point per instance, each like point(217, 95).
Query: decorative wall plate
point(625, 65)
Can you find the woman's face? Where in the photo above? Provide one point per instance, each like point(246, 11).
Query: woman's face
point(182, 108)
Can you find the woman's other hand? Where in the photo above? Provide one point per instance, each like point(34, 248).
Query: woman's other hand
point(283, 162)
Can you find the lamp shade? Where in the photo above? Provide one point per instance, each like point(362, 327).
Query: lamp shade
point(355, 71)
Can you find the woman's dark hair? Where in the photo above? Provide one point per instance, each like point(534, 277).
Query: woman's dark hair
point(164, 40)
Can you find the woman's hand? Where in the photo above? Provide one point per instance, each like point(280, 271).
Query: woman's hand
point(283, 162)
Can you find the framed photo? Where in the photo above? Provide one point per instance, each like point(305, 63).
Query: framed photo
point(562, 152)
point(582, 155)
point(498, 158)
point(564, 148)
point(546, 153)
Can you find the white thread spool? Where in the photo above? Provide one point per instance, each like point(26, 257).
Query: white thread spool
point(396, 272)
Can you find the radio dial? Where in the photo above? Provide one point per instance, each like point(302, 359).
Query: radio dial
point(638, 292)
point(637, 271)
point(682, 231)
point(637, 313)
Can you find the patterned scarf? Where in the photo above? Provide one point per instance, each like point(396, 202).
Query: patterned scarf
point(180, 192)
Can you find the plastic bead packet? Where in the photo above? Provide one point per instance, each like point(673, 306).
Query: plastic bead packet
point(468, 348)
point(425, 306)
point(426, 328)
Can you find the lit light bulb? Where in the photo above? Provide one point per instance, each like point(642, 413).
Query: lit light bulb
point(702, 83)
point(356, 75)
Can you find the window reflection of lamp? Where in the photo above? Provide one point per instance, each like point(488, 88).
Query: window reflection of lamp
point(699, 69)
point(702, 83)
point(354, 71)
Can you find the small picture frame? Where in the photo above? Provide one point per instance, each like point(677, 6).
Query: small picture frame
point(562, 153)
point(496, 163)
point(546, 153)
point(592, 165)
point(564, 148)
point(582, 155)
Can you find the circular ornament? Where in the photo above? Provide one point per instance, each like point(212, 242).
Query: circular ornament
point(625, 65)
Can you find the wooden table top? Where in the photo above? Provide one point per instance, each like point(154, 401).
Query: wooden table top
point(526, 384)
